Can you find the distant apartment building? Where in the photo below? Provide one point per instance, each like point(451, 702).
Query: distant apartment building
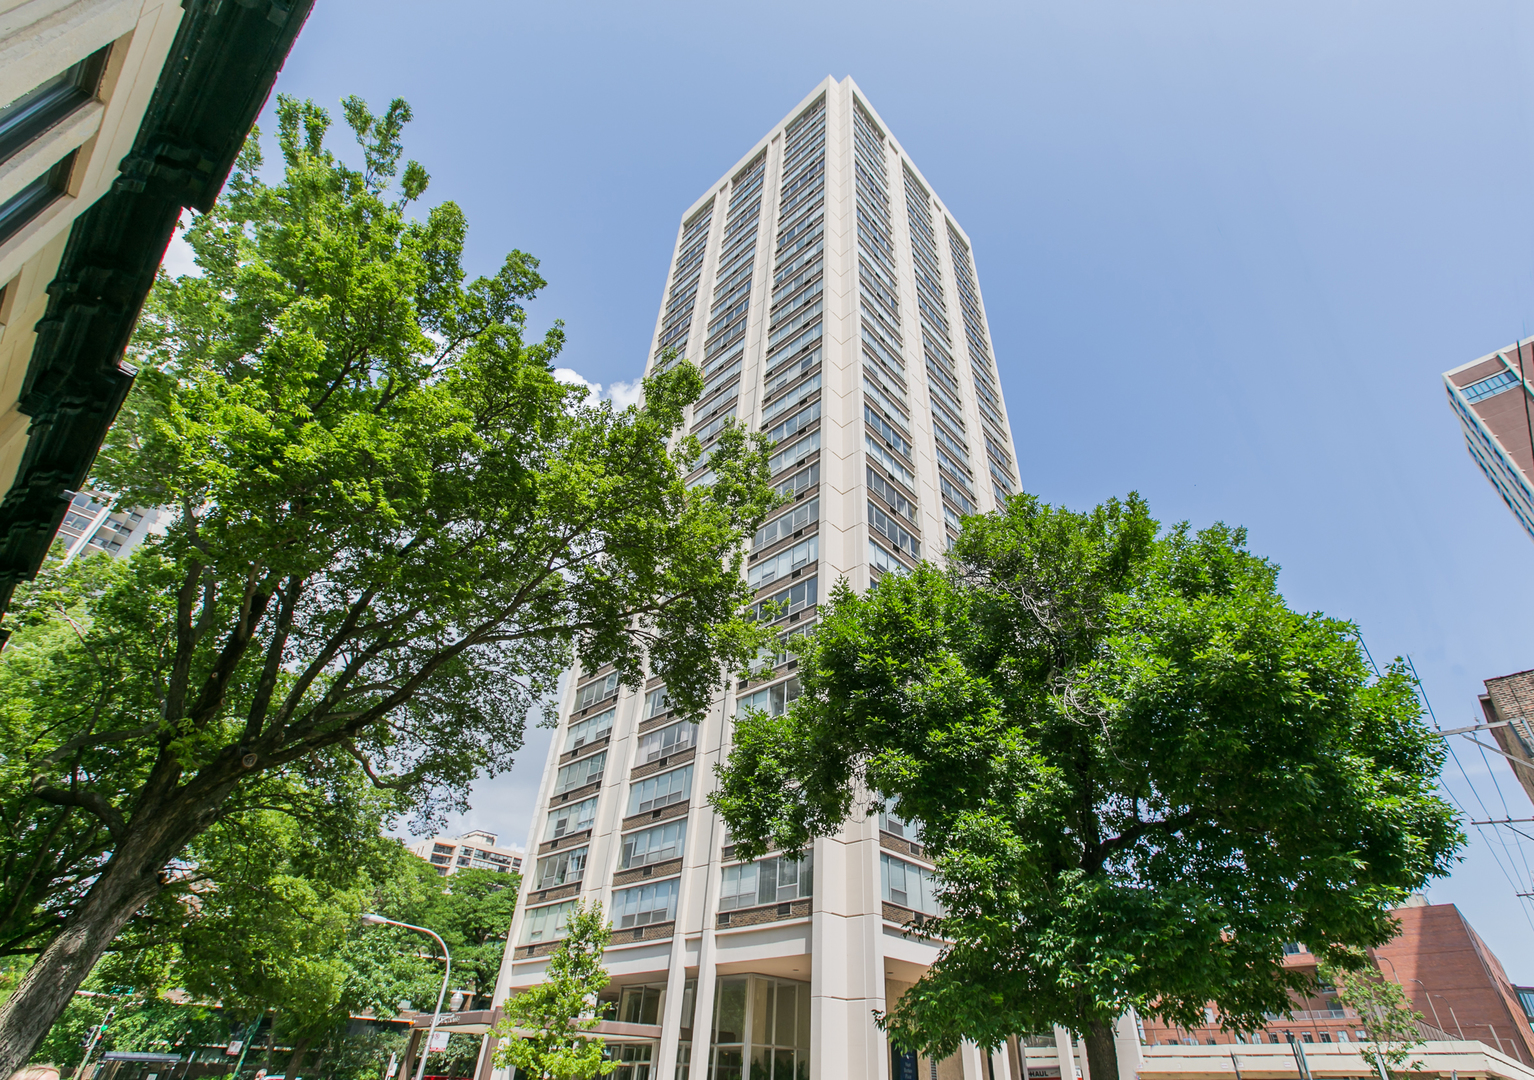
point(1509, 705)
point(115, 115)
point(1491, 398)
point(1452, 977)
point(476, 850)
point(92, 524)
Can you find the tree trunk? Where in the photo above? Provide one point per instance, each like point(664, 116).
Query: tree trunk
point(130, 879)
point(1102, 1054)
point(297, 1060)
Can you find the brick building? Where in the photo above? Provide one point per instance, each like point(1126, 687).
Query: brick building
point(1509, 701)
point(1452, 977)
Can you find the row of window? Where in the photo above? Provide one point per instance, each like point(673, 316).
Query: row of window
point(784, 562)
point(1489, 387)
point(729, 313)
point(684, 281)
point(773, 880)
point(981, 362)
point(786, 524)
point(791, 400)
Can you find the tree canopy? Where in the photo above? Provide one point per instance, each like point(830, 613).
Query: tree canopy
point(544, 1034)
point(392, 527)
point(1139, 773)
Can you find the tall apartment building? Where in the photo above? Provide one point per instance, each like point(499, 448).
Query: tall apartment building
point(831, 300)
point(1499, 424)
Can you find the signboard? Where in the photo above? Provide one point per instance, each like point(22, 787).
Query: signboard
point(902, 1065)
point(234, 1047)
point(438, 1042)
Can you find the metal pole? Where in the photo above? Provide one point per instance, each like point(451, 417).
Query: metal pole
point(250, 1037)
point(379, 920)
point(91, 1046)
point(1457, 1026)
point(1430, 1004)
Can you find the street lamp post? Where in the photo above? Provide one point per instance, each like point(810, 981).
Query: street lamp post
point(379, 920)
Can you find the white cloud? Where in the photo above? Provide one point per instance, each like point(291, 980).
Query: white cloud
point(621, 394)
point(624, 394)
point(575, 378)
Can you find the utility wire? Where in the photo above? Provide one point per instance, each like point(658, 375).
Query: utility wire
point(1507, 870)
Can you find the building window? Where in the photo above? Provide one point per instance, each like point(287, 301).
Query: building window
point(663, 789)
point(589, 730)
point(600, 690)
point(761, 1029)
point(587, 770)
point(21, 208)
point(574, 818)
point(633, 1059)
point(561, 868)
point(1491, 387)
point(895, 826)
point(44, 106)
point(656, 702)
point(767, 881)
point(671, 739)
point(645, 904)
point(653, 845)
point(546, 923)
point(772, 700)
point(909, 885)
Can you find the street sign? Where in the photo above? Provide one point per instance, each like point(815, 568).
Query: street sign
point(234, 1047)
point(438, 1042)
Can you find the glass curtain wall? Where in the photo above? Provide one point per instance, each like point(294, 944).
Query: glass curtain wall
point(761, 1029)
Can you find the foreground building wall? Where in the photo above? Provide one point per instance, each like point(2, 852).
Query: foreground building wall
point(831, 301)
point(76, 79)
point(115, 115)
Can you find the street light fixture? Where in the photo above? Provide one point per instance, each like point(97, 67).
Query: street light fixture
point(378, 920)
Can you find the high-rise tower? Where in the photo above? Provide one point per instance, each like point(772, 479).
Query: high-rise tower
point(831, 301)
point(1499, 426)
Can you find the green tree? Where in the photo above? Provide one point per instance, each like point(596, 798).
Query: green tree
point(1384, 1009)
point(1139, 772)
point(392, 529)
point(473, 911)
point(543, 1032)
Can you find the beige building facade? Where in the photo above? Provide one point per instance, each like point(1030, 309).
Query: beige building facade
point(115, 117)
point(77, 77)
point(831, 300)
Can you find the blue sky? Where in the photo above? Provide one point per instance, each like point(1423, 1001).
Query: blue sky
point(1226, 252)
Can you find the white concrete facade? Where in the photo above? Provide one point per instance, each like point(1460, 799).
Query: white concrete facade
point(854, 344)
point(39, 41)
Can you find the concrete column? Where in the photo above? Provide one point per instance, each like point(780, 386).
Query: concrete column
point(671, 1017)
point(1126, 1042)
point(703, 1014)
point(1016, 1062)
point(1065, 1049)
